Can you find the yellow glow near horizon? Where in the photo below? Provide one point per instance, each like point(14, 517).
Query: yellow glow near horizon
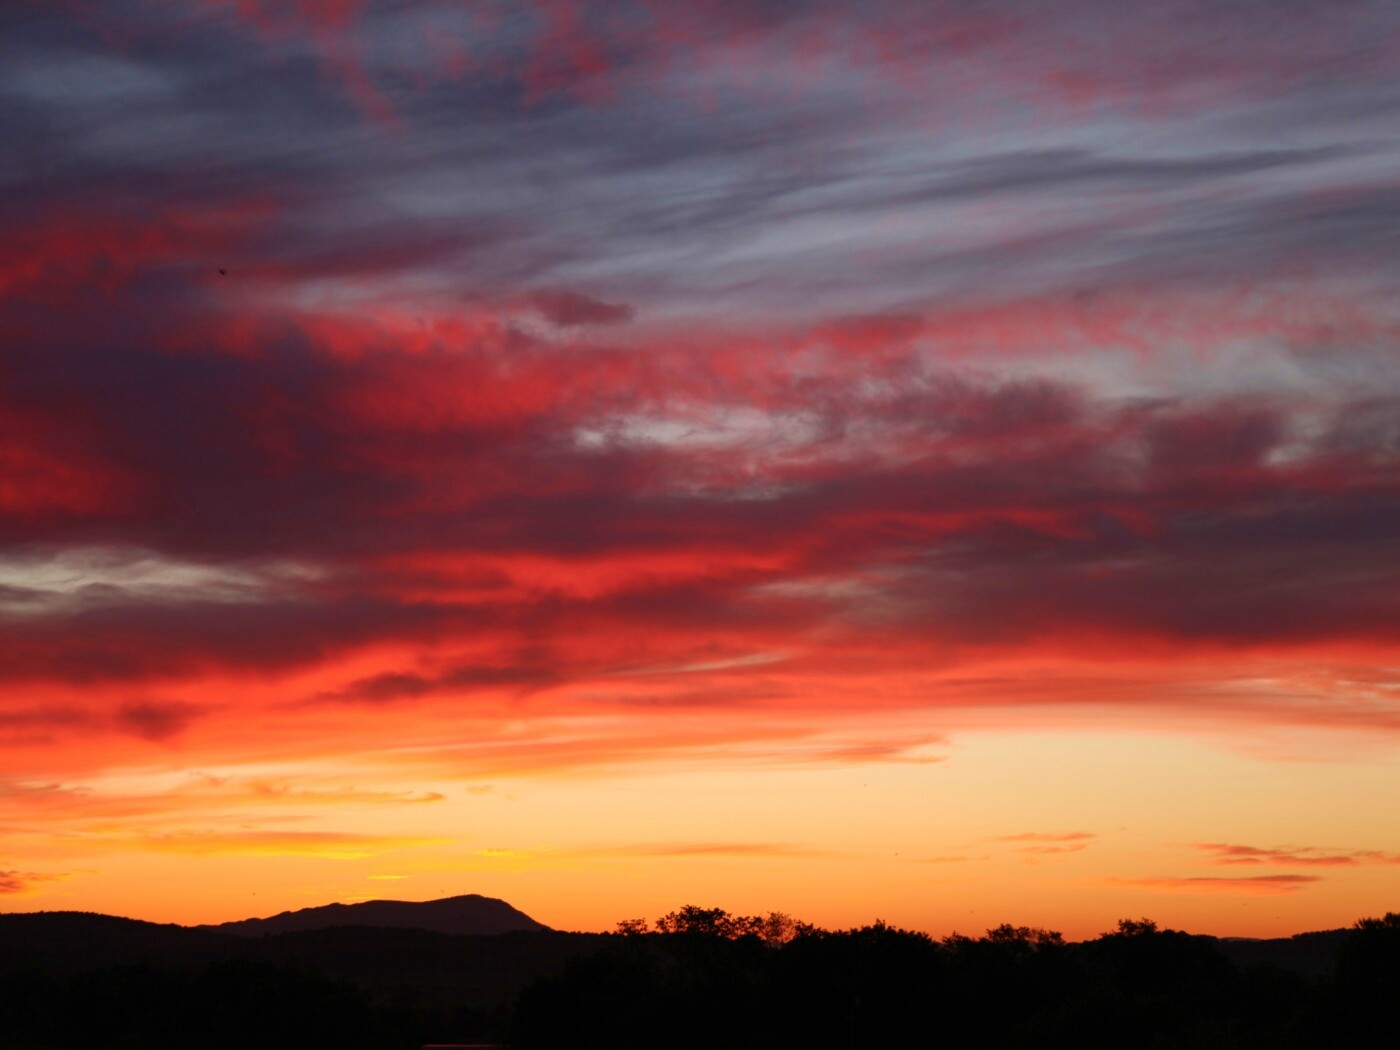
point(1065, 829)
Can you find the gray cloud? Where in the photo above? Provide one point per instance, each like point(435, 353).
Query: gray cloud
point(648, 195)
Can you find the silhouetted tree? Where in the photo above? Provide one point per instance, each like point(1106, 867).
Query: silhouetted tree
point(703, 922)
point(1025, 936)
point(1358, 1000)
point(775, 928)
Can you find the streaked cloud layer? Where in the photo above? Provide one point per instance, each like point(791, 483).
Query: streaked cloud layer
point(400, 402)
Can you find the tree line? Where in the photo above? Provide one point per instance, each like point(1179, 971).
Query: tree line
point(706, 978)
point(702, 978)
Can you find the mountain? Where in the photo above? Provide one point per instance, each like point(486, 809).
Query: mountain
point(467, 914)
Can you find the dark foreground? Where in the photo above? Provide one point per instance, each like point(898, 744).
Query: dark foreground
point(83, 982)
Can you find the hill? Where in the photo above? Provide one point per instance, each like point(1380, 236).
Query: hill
point(470, 914)
point(1309, 953)
point(411, 964)
point(63, 940)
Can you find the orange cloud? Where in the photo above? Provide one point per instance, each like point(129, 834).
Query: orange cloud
point(708, 849)
point(1052, 842)
point(1053, 837)
point(327, 844)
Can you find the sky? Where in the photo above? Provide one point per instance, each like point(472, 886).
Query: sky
point(923, 460)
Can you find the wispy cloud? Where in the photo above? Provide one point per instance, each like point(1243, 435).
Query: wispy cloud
point(15, 882)
point(660, 851)
point(328, 844)
point(1253, 885)
point(1298, 856)
point(709, 849)
point(1049, 842)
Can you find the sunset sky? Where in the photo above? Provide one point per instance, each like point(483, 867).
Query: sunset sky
point(927, 460)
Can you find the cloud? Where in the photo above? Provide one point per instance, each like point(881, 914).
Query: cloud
point(575, 744)
point(583, 179)
point(271, 791)
point(1251, 885)
point(572, 309)
point(184, 814)
point(394, 686)
point(320, 433)
point(156, 719)
point(558, 52)
point(43, 717)
point(507, 557)
point(1298, 856)
point(328, 844)
point(664, 851)
point(1049, 842)
point(15, 882)
point(153, 720)
point(708, 849)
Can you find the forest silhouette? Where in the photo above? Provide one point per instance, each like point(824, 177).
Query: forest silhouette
point(697, 977)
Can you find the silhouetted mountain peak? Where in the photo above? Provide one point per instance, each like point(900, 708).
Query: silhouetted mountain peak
point(467, 914)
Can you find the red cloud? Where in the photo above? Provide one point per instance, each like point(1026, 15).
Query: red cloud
point(586, 512)
point(81, 250)
point(156, 719)
point(572, 309)
point(438, 503)
point(23, 881)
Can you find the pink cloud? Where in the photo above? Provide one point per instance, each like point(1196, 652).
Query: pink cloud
point(1250, 885)
point(1304, 856)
